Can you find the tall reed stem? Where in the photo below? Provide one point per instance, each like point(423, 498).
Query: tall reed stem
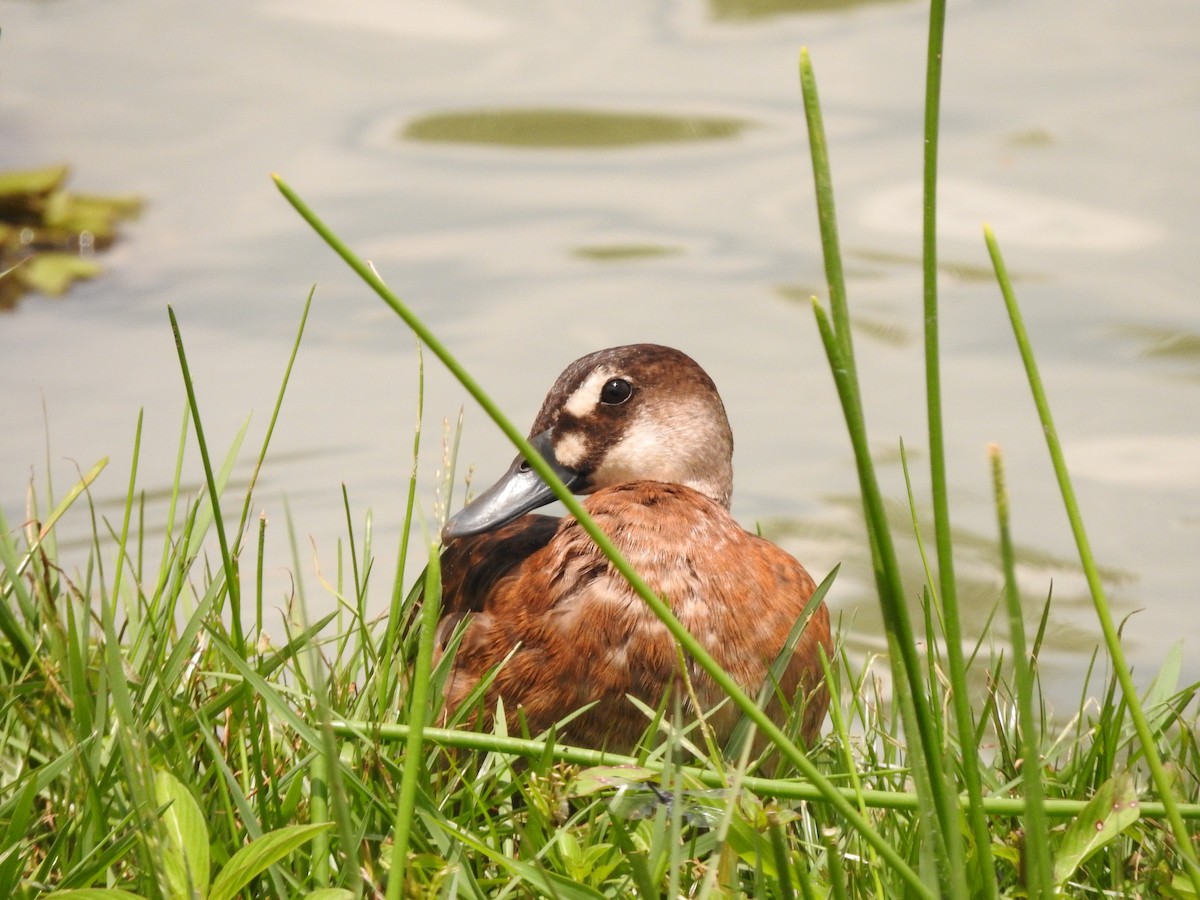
point(947, 584)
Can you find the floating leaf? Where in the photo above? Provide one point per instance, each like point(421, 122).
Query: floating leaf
point(17, 188)
point(1111, 811)
point(53, 273)
point(47, 235)
point(92, 213)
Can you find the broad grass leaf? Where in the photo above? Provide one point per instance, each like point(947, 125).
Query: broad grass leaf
point(1111, 811)
point(254, 859)
point(1181, 888)
point(552, 883)
point(329, 894)
point(12, 859)
point(186, 856)
point(549, 883)
point(94, 894)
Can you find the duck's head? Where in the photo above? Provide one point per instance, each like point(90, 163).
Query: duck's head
point(641, 412)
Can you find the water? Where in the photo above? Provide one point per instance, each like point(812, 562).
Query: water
point(1071, 130)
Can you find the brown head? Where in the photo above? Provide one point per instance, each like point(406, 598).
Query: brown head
point(641, 412)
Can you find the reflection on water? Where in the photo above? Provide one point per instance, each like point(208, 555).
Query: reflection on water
point(1043, 578)
point(954, 268)
point(760, 9)
point(1177, 352)
point(568, 128)
point(886, 331)
point(1169, 343)
point(1031, 137)
point(977, 555)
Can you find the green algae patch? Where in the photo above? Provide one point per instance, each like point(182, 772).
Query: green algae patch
point(568, 128)
point(623, 252)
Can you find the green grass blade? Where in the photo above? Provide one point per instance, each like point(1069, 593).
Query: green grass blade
point(1037, 865)
point(128, 512)
point(227, 558)
point(48, 525)
point(396, 612)
point(262, 453)
point(13, 628)
point(418, 705)
point(329, 787)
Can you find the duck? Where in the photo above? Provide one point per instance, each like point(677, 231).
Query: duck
point(547, 630)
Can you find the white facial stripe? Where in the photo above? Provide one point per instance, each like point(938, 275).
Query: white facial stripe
point(571, 450)
point(581, 403)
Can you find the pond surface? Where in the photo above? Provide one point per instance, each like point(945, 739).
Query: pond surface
point(683, 215)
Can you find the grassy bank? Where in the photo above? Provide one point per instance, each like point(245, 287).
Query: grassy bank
point(153, 744)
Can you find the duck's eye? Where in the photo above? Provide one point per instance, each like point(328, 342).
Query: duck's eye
point(615, 391)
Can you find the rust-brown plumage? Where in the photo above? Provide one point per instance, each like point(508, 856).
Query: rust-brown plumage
point(643, 431)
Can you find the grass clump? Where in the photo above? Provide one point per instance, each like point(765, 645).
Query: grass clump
point(151, 747)
point(146, 749)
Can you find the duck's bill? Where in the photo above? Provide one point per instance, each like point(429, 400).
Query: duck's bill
point(518, 491)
